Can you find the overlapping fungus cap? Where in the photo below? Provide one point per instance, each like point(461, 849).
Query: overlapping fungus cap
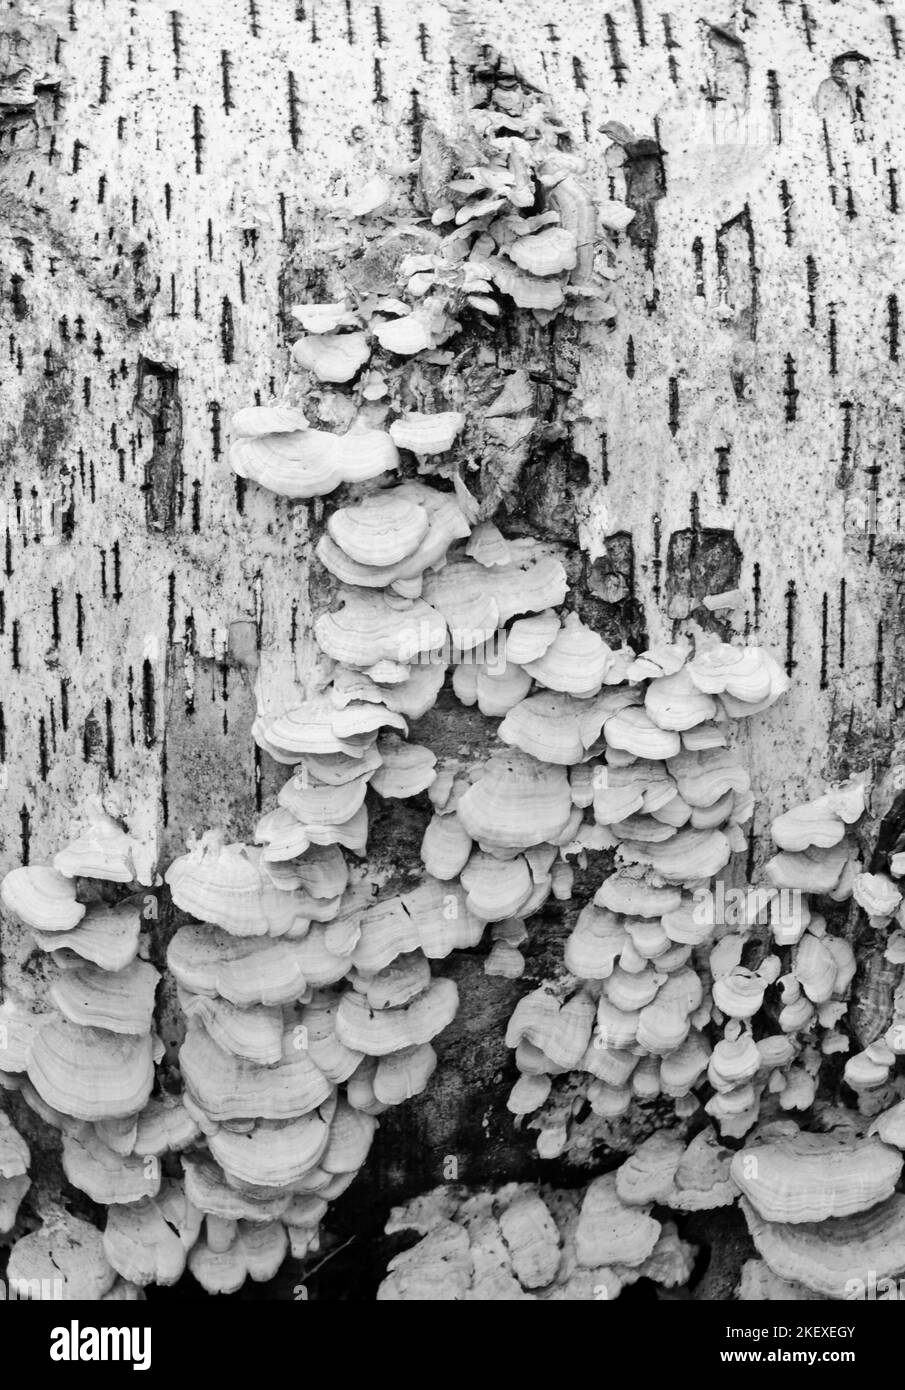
point(611, 1232)
point(748, 679)
point(255, 1252)
point(517, 802)
point(496, 888)
point(90, 1073)
point(634, 896)
point(810, 1177)
point(65, 1248)
point(813, 870)
point(147, 1241)
point(703, 1179)
point(244, 970)
point(648, 1174)
point(401, 1075)
point(106, 1176)
point(381, 529)
point(227, 1087)
point(690, 855)
point(103, 850)
point(256, 1035)
point(826, 1256)
point(433, 917)
point(878, 896)
point(273, 1155)
point(596, 943)
point(120, 1001)
point(550, 727)
point(529, 638)
point(406, 768)
point(310, 463)
point(332, 357)
point(379, 1032)
point(427, 435)
point(446, 523)
point(675, 702)
point(304, 729)
point(254, 420)
point(106, 936)
point(813, 823)
point(445, 847)
point(223, 884)
point(575, 662)
point(561, 1031)
point(41, 898)
point(370, 628)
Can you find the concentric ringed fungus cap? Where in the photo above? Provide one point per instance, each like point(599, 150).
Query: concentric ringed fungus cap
point(811, 1177)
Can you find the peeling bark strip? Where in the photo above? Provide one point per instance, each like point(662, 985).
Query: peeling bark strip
point(157, 397)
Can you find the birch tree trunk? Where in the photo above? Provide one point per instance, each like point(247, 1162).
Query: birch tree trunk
point(158, 167)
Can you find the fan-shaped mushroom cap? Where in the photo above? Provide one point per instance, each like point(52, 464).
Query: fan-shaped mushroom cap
point(256, 1253)
point(122, 1002)
point(427, 435)
point(208, 1190)
point(107, 936)
point(404, 1074)
point(877, 894)
point(528, 291)
point(368, 628)
point(739, 993)
point(390, 1030)
point(529, 638)
point(333, 357)
point(533, 582)
point(814, 823)
point(446, 524)
point(63, 1248)
point(273, 1155)
point(681, 1070)
point(315, 804)
point(148, 1241)
point(596, 943)
point(812, 870)
point(688, 856)
point(665, 1023)
point(516, 803)
point(255, 1035)
point(381, 529)
point(41, 898)
point(704, 777)
point(809, 1178)
point(575, 662)
point(228, 1087)
point(107, 1177)
point(446, 847)
point(609, 1231)
point(734, 1060)
point(88, 1073)
point(675, 702)
point(547, 252)
point(433, 918)
point(243, 970)
point(703, 1180)
point(406, 769)
point(633, 730)
point(310, 463)
point(748, 676)
point(321, 318)
point(634, 897)
point(561, 1031)
point(254, 420)
point(546, 726)
point(827, 1256)
point(351, 1135)
point(648, 1174)
point(496, 888)
point(223, 884)
point(815, 968)
point(397, 983)
point(102, 850)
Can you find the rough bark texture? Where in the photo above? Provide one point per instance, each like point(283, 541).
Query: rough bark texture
point(155, 206)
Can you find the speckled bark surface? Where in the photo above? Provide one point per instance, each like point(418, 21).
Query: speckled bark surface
point(743, 422)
